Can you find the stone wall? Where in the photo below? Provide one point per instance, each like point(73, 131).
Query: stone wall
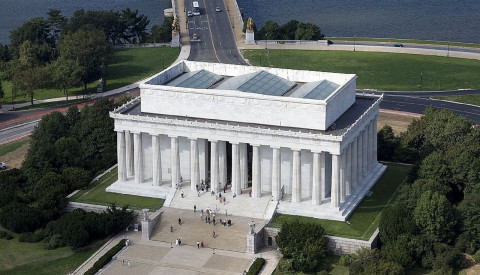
point(98, 209)
point(148, 226)
point(337, 245)
point(255, 241)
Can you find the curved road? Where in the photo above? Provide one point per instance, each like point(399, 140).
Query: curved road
point(215, 42)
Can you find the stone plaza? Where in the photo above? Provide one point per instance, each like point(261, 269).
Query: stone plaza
point(304, 140)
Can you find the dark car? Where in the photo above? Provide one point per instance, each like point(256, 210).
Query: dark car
point(398, 45)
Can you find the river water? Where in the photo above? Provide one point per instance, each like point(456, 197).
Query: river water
point(448, 20)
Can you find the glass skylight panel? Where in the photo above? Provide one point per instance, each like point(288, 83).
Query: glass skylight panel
point(322, 90)
point(267, 84)
point(201, 80)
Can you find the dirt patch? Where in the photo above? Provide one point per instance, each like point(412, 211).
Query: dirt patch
point(398, 121)
point(15, 158)
point(472, 267)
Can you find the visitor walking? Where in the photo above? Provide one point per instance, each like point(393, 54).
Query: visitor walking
point(179, 221)
point(213, 221)
point(128, 263)
point(213, 234)
point(198, 245)
point(123, 262)
point(194, 208)
point(171, 228)
point(201, 244)
point(226, 214)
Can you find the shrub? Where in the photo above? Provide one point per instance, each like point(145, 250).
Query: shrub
point(345, 260)
point(5, 235)
point(31, 237)
point(256, 266)
point(54, 242)
point(285, 265)
point(476, 256)
point(106, 258)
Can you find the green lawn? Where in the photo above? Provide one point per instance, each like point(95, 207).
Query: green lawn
point(124, 67)
point(411, 41)
point(131, 65)
point(31, 258)
point(12, 146)
point(468, 99)
point(96, 194)
point(381, 71)
point(365, 218)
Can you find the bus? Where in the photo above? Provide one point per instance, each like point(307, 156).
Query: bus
point(196, 8)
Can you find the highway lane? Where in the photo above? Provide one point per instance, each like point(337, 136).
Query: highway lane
point(16, 132)
point(408, 45)
point(215, 42)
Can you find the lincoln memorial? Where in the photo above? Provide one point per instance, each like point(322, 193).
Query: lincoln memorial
point(306, 140)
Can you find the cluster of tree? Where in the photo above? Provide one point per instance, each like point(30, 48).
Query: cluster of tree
point(62, 53)
point(66, 151)
point(436, 217)
point(292, 30)
point(303, 246)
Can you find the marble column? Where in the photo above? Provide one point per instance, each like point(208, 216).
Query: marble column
point(156, 161)
point(370, 146)
point(214, 165)
point(138, 157)
point(175, 161)
point(129, 153)
point(194, 165)
point(121, 154)
point(243, 166)
point(360, 171)
point(335, 190)
point(354, 164)
point(375, 131)
point(365, 152)
point(222, 164)
point(235, 168)
point(203, 158)
point(325, 178)
point(343, 161)
point(296, 177)
point(316, 178)
point(256, 170)
point(276, 172)
point(348, 172)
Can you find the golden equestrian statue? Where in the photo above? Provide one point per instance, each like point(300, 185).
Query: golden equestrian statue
point(175, 26)
point(249, 24)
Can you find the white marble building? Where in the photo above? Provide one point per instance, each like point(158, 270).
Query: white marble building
point(304, 138)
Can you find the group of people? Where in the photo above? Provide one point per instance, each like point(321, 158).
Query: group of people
point(200, 244)
point(178, 242)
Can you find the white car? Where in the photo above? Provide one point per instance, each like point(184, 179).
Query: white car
point(189, 13)
point(217, 9)
point(3, 166)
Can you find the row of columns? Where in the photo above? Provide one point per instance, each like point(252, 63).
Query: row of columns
point(346, 171)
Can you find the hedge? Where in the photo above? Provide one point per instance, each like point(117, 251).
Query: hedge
point(105, 259)
point(256, 266)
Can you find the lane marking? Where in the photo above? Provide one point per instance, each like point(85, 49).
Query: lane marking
point(210, 30)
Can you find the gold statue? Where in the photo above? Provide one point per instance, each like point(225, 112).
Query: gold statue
point(249, 24)
point(175, 26)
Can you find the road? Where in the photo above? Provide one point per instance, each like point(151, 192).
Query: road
point(444, 48)
point(215, 42)
point(14, 133)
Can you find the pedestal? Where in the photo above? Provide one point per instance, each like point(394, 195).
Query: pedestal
point(175, 39)
point(249, 38)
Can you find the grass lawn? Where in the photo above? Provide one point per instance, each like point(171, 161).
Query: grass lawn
point(131, 65)
point(124, 67)
point(365, 218)
point(381, 71)
point(468, 99)
point(411, 41)
point(96, 194)
point(12, 146)
point(31, 258)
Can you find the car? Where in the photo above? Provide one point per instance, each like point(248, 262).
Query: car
point(189, 13)
point(217, 9)
point(398, 45)
point(3, 166)
point(195, 36)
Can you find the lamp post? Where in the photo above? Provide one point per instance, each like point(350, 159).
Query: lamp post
point(163, 60)
point(260, 59)
point(354, 42)
point(448, 48)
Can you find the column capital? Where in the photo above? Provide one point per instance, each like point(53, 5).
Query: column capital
point(170, 136)
point(274, 147)
point(135, 132)
point(255, 144)
point(295, 149)
point(213, 140)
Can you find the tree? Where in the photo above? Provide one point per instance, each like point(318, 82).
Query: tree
point(135, 26)
point(386, 143)
point(55, 21)
point(162, 33)
point(35, 30)
point(435, 217)
point(19, 217)
point(395, 221)
point(303, 243)
point(469, 210)
point(287, 30)
point(66, 73)
point(308, 31)
point(270, 31)
point(87, 47)
point(108, 22)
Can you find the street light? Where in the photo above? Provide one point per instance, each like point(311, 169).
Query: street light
point(163, 59)
point(260, 59)
point(448, 48)
point(354, 42)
